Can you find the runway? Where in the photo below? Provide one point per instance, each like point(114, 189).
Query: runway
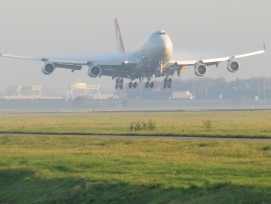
point(150, 137)
point(142, 105)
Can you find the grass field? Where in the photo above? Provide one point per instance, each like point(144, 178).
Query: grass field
point(44, 169)
point(219, 124)
point(74, 169)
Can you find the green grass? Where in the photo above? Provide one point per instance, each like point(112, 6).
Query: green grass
point(44, 169)
point(219, 124)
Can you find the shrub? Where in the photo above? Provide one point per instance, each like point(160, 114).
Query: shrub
point(266, 148)
point(207, 125)
point(151, 125)
point(138, 126)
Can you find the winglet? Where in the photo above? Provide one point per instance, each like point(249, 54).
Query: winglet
point(264, 48)
point(119, 41)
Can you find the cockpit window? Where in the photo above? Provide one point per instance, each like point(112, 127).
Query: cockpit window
point(162, 33)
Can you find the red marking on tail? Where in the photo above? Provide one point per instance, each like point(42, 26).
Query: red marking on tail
point(119, 41)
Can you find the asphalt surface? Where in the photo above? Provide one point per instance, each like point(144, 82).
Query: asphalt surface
point(135, 110)
point(144, 137)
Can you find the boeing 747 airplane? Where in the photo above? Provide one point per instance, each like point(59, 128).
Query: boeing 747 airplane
point(152, 58)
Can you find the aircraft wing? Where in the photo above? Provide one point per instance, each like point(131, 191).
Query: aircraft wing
point(21, 57)
point(216, 61)
point(60, 61)
point(108, 65)
point(201, 64)
point(114, 61)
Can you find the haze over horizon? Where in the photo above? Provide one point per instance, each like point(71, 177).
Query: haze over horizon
point(198, 29)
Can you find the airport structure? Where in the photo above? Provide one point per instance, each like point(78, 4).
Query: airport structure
point(30, 92)
point(88, 90)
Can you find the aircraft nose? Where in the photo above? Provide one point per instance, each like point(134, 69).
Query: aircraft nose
point(160, 46)
point(165, 47)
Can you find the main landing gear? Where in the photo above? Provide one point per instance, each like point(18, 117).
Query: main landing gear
point(119, 84)
point(149, 84)
point(132, 84)
point(167, 83)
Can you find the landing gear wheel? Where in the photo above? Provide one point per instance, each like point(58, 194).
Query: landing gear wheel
point(147, 84)
point(119, 84)
point(167, 83)
point(131, 85)
point(151, 84)
point(135, 85)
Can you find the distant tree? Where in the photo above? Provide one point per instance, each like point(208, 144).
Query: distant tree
point(207, 88)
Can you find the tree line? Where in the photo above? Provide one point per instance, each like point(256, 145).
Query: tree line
point(208, 88)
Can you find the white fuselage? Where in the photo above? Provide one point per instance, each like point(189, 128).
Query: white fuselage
point(157, 49)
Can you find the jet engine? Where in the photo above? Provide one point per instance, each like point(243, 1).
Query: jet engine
point(48, 68)
point(94, 71)
point(233, 66)
point(200, 70)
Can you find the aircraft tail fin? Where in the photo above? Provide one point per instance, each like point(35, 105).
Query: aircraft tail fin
point(119, 41)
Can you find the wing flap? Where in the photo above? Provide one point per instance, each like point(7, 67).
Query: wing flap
point(184, 63)
point(215, 60)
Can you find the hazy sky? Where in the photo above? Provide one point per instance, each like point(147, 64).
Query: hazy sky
point(198, 29)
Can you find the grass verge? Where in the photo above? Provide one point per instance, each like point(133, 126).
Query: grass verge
point(95, 170)
point(212, 124)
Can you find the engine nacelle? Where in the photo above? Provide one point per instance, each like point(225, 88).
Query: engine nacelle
point(48, 68)
point(233, 66)
point(94, 71)
point(200, 70)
